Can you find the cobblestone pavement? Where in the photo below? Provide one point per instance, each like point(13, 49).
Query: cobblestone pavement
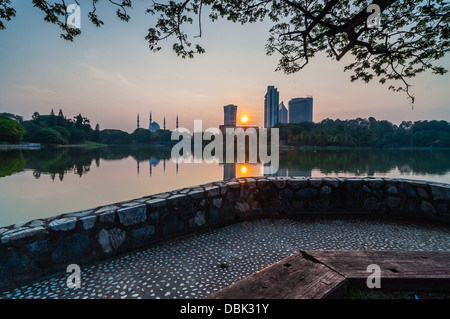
point(196, 266)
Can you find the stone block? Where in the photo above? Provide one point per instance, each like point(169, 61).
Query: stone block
point(242, 207)
point(71, 249)
point(262, 182)
point(107, 217)
point(176, 200)
point(233, 195)
point(39, 246)
point(199, 219)
point(244, 193)
point(392, 189)
point(110, 240)
point(199, 194)
point(306, 193)
point(103, 209)
point(422, 193)
point(288, 193)
point(325, 190)
point(174, 226)
point(63, 224)
point(143, 235)
point(332, 181)
point(427, 208)
point(88, 221)
point(353, 184)
point(132, 215)
point(36, 223)
point(217, 202)
point(376, 183)
point(408, 190)
point(156, 202)
point(234, 185)
point(440, 192)
point(256, 205)
point(279, 183)
point(393, 202)
point(371, 204)
point(315, 182)
point(22, 233)
point(212, 191)
point(16, 265)
point(297, 183)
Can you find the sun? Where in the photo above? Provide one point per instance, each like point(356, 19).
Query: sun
point(244, 119)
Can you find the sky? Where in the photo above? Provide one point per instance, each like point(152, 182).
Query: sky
point(109, 75)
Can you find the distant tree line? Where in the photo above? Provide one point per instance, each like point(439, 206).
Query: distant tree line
point(58, 129)
point(366, 133)
point(55, 129)
point(139, 136)
point(359, 132)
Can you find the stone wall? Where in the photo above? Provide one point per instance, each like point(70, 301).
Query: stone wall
point(39, 247)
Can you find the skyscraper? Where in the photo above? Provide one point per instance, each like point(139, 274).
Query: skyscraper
point(282, 114)
point(229, 112)
point(301, 110)
point(271, 107)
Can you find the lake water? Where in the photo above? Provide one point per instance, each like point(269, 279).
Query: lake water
point(48, 182)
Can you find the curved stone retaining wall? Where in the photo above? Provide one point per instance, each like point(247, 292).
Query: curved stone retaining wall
point(43, 246)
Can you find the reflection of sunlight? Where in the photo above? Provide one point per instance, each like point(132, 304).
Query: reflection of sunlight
point(247, 169)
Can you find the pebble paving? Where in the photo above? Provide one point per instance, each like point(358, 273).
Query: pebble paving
point(196, 266)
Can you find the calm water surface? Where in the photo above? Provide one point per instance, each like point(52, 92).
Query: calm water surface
point(47, 182)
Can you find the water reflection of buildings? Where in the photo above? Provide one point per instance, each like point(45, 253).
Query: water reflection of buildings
point(229, 170)
point(232, 170)
point(293, 172)
point(236, 170)
point(154, 162)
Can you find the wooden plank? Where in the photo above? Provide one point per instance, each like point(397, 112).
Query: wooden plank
point(315, 274)
point(294, 277)
point(393, 264)
point(425, 270)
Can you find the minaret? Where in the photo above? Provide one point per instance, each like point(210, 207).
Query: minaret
point(138, 121)
point(150, 166)
point(164, 123)
point(177, 121)
point(150, 124)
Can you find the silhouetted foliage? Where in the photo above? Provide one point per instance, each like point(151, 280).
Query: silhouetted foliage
point(11, 131)
point(52, 129)
point(366, 133)
point(410, 37)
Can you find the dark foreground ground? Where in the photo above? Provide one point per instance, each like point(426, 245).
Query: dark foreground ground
point(199, 265)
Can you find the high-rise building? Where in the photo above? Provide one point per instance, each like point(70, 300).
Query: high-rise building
point(282, 114)
point(271, 101)
point(230, 112)
point(301, 110)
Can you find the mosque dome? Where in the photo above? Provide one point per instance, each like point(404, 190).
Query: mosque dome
point(154, 127)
